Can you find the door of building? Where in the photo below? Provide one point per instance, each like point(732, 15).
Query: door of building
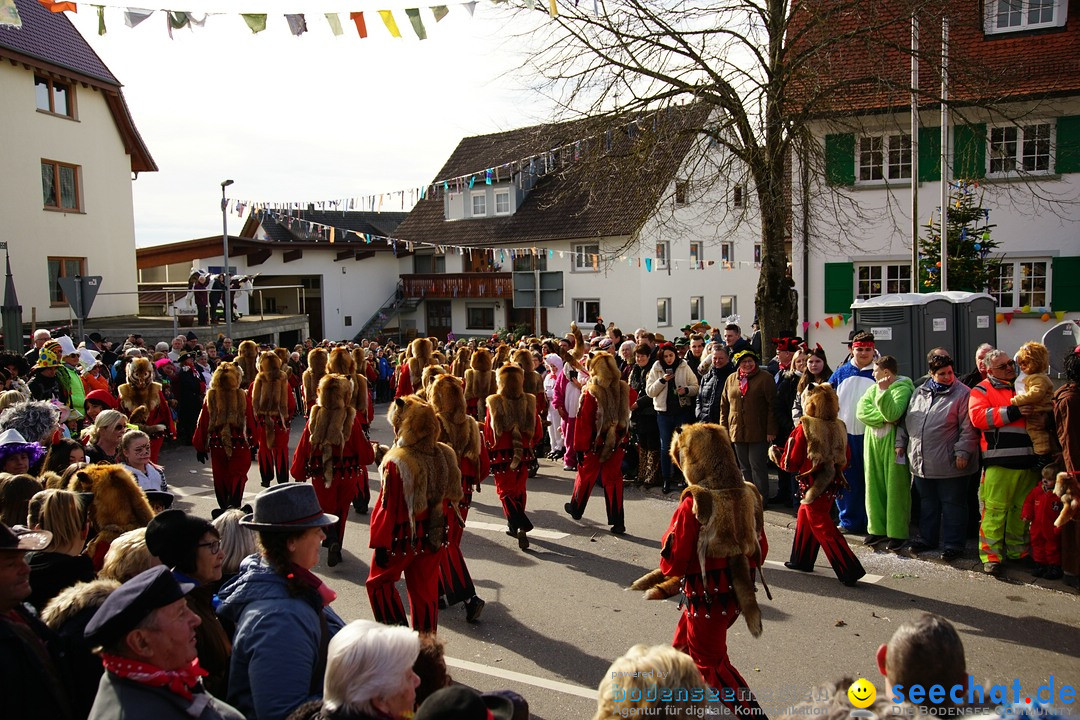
point(439, 320)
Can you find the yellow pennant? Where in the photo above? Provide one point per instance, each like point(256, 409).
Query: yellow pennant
point(388, 20)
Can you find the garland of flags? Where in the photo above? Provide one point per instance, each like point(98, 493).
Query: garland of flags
point(256, 22)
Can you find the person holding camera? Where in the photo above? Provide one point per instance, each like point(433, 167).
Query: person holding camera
point(673, 386)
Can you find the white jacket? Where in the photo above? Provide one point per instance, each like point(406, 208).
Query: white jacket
point(657, 390)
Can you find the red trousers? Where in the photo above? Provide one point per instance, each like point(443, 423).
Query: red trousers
point(230, 475)
point(275, 459)
point(335, 500)
point(455, 582)
point(611, 478)
point(155, 448)
point(570, 457)
point(703, 636)
point(510, 485)
point(814, 528)
point(421, 572)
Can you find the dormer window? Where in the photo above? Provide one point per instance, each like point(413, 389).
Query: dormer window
point(1004, 16)
point(479, 204)
point(502, 202)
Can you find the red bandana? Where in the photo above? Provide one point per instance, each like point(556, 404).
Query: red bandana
point(180, 682)
point(862, 344)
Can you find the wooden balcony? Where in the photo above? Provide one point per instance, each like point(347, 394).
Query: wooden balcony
point(458, 285)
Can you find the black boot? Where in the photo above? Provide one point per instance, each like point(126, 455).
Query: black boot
point(666, 487)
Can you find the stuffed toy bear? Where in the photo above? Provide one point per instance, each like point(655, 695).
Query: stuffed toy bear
point(1034, 360)
point(729, 510)
point(1067, 488)
point(428, 468)
point(119, 505)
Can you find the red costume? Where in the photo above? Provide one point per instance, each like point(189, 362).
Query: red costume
point(348, 465)
point(273, 456)
point(591, 466)
point(455, 581)
point(1041, 508)
point(709, 607)
point(229, 467)
point(814, 526)
point(510, 483)
point(160, 414)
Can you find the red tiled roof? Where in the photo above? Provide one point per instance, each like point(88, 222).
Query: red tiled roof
point(872, 69)
point(609, 190)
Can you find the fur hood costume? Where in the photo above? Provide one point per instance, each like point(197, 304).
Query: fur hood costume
point(331, 420)
point(479, 378)
point(729, 510)
point(428, 468)
point(421, 354)
point(270, 393)
point(826, 443)
point(612, 395)
point(317, 360)
point(226, 403)
point(431, 374)
point(461, 362)
point(513, 411)
point(456, 428)
point(343, 362)
point(140, 390)
point(247, 357)
point(119, 505)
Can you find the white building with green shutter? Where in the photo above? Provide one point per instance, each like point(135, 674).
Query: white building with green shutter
point(1024, 153)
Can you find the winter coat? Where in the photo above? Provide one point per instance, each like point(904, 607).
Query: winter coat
point(52, 572)
point(1005, 441)
point(119, 698)
point(749, 419)
point(712, 387)
point(1067, 410)
point(851, 384)
point(32, 682)
point(277, 644)
point(940, 431)
point(658, 390)
point(787, 383)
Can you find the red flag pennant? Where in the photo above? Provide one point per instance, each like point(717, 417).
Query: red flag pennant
point(58, 7)
point(1008, 318)
point(830, 321)
point(361, 26)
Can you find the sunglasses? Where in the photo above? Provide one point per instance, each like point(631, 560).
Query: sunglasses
point(1006, 366)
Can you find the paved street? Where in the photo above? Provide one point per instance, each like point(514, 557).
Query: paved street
point(557, 615)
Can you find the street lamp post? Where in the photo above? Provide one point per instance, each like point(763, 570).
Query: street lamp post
point(225, 254)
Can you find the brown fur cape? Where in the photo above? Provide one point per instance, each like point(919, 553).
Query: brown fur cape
point(612, 395)
point(270, 393)
point(431, 374)
point(428, 468)
point(513, 410)
point(140, 390)
point(479, 378)
point(421, 354)
point(331, 421)
point(317, 360)
point(461, 362)
point(826, 440)
point(729, 510)
point(226, 402)
point(534, 384)
point(247, 357)
point(119, 503)
point(343, 362)
point(456, 428)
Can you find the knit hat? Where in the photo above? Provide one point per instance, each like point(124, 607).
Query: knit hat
point(173, 536)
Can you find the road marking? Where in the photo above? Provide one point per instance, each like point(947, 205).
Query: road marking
point(868, 578)
point(568, 688)
point(497, 527)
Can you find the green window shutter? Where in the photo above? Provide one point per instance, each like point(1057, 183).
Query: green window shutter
point(840, 159)
point(1068, 144)
point(1065, 290)
point(969, 151)
point(929, 154)
point(839, 287)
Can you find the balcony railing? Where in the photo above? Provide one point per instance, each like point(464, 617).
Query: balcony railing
point(459, 285)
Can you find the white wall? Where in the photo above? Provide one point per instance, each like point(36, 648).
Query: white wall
point(1036, 220)
point(104, 232)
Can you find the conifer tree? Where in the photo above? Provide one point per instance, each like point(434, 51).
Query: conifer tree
point(970, 244)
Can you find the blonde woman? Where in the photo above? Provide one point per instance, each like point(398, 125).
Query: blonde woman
point(647, 681)
point(127, 557)
point(104, 436)
point(237, 542)
point(62, 563)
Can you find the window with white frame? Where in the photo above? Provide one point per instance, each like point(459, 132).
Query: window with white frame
point(882, 279)
point(884, 157)
point(696, 259)
point(586, 257)
point(663, 312)
point(697, 309)
point(502, 202)
point(727, 306)
point(586, 311)
point(727, 254)
point(1024, 148)
point(663, 254)
point(1020, 283)
point(1004, 16)
point(479, 204)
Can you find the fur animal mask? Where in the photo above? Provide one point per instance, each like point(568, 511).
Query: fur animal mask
point(140, 372)
point(456, 428)
point(1033, 358)
point(341, 362)
point(706, 457)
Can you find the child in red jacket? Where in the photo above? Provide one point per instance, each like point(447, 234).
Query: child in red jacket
point(1041, 508)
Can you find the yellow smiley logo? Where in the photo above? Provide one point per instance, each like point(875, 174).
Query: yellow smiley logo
point(862, 693)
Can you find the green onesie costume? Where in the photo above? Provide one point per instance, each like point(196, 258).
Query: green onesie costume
point(888, 485)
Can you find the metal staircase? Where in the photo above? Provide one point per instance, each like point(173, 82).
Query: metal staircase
point(396, 304)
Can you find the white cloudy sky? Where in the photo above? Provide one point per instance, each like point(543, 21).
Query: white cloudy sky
point(309, 117)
